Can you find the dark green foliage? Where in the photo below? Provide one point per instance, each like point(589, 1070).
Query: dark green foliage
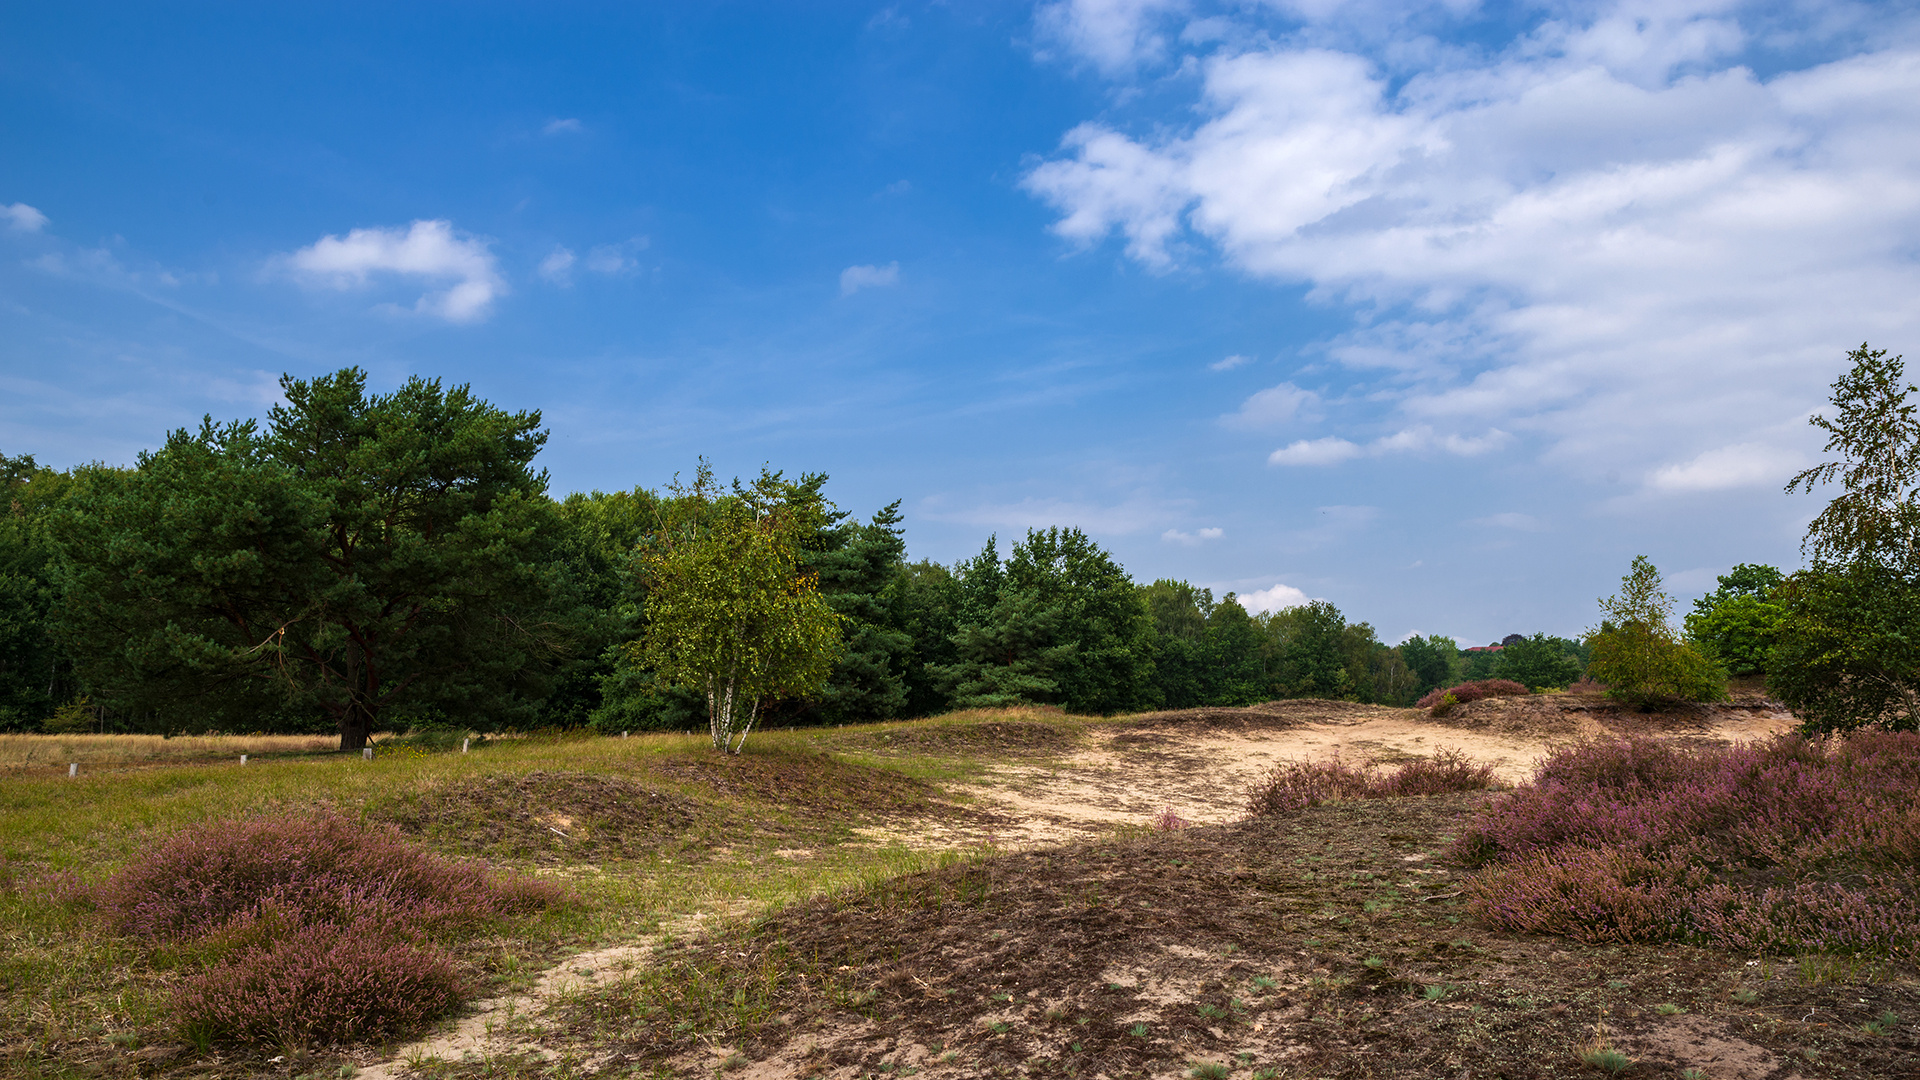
point(1305, 652)
point(1738, 623)
point(1059, 623)
point(1204, 653)
point(928, 597)
point(1848, 654)
point(1539, 662)
point(365, 552)
point(1434, 661)
point(858, 566)
point(34, 680)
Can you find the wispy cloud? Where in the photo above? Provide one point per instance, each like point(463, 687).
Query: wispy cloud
point(1332, 449)
point(558, 266)
point(1511, 520)
point(855, 278)
point(1741, 465)
point(1229, 363)
point(1191, 539)
point(23, 218)
point(1274, 406)
point(428, 250)
point(566, 126)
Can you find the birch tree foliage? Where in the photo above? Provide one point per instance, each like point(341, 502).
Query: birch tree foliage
point(731, 613)
point(1877, 435)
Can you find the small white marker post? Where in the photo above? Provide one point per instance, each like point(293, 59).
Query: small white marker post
point(463, 744)
point(243, 759)
point(366, 753)
point(73, 769)
point(623, 734)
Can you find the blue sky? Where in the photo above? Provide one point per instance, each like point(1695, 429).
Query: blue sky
point(1441, 312)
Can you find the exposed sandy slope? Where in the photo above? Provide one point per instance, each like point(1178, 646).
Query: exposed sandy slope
point(1201, 763)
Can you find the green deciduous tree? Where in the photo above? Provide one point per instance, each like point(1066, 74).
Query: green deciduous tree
point(1305, 652)
point(1739, 622)
point(34, 676)
point(1844, 654)
point(1638, 655)
point(1434, 661)
point(363, 553)
point(1539, 662)
point(731, 612)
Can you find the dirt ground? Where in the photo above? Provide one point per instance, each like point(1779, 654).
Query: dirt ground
point(1331, 944)
point(1200, 763)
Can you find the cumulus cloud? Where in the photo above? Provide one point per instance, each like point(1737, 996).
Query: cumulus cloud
point(426, 250)
point(855, 278)
point(1273, 406)
point(1273, 598)
point(23, 218)
point(1611, 235)
point(558, 267)
point(1191, 539)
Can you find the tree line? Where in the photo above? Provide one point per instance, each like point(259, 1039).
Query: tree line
point(364, 562)
point(360, 562)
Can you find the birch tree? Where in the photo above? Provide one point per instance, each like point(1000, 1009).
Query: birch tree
point(731, 614)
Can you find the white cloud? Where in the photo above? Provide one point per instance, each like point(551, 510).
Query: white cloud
point(855, 278)
point(567, 126)
point(1273, 406)
point(558, 267)
point(23, 218)
point(1113, 34)
point(1328, 451)
point(1332, 449)
point(426, 249)
point(1740, 465)
point(1192, 539)
point(613, 258)
point(1231, 362)
point(1610, 236)
point(1273, 598)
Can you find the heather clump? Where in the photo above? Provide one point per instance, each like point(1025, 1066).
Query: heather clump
point(1791, 844)
point(1297, 785)
point(1472, 691)
point(312, 928)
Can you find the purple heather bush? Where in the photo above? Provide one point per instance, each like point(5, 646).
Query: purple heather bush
point(1297, 785)
point(330, 985)
point(1790, 844)
point(1473, 691)
point(312, 928)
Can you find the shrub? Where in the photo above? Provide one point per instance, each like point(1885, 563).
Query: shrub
point(322, 869)
point(328, 984)
point(1297, 785)
point(1609, 835)
point(314, 926)
point(1446, 771)
point(1473, 691)
point(1637, 654)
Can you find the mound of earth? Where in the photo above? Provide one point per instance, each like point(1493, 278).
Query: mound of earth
point(801, 781)
point(1749, 715)
point(546, 817)
point(1333, 943)
point(1008, 738)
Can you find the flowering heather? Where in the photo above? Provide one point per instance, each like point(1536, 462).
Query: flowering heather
point(314, 927)
point(1473, 691)
point(323, 869)
point(329, 985)
point(1297, 785)
point(1607, 828)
